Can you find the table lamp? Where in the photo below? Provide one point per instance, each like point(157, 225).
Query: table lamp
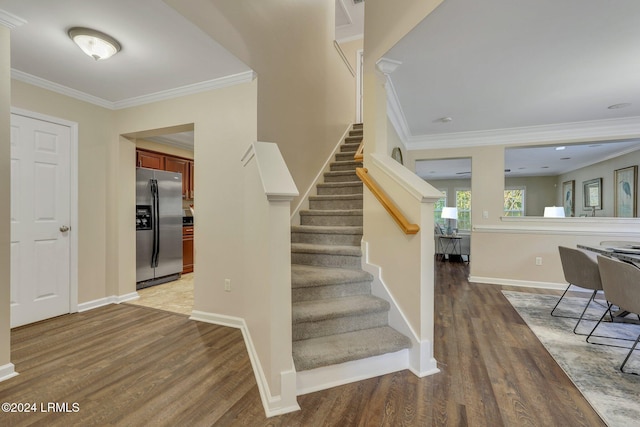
point(449, 214)
point(554, 212)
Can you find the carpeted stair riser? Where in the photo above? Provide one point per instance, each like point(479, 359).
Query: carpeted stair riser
point(323, 328)
point(344, 202)
point(349, 148)
point(349, 187)
point(353, 140)
point(303, 234)
point(326, 260)
point(331, 218)
point(356, 132)
point(348, 165)
point(340, 176)
point(347, 156)
point(330, 291)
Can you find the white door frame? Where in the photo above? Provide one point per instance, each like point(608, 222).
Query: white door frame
point(73, 197)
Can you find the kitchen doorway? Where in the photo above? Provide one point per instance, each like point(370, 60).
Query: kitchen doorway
point(171, 150)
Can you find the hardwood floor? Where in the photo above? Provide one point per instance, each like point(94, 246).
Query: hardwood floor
point(129, 365)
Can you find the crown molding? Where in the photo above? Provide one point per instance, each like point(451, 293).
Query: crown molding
point(628, 127)
point(58, 88)
point(10, 20)
point(219, 83)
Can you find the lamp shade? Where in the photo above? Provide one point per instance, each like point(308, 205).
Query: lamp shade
point(554, 212)
point(449, 213)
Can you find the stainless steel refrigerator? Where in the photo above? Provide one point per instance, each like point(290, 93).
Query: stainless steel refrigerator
point(158, 227)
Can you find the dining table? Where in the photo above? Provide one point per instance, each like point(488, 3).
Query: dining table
point(629, 253)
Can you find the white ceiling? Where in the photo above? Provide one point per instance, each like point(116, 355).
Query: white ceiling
point(495, 64)
point(161, 50)
point(504, 69)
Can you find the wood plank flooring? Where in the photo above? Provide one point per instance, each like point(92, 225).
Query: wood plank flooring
point(137, 366)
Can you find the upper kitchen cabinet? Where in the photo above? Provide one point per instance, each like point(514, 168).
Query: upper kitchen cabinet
point(174, 164)
point(149, 159)
point(153, 160)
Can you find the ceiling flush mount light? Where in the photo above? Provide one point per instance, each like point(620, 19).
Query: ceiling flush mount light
point(616, 106)
point(94, 43)
point(560, 148)
point(443, 120)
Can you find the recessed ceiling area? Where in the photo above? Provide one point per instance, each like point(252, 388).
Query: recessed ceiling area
point(500, 64)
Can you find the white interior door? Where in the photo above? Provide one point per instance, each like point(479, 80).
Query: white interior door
point(40, 219)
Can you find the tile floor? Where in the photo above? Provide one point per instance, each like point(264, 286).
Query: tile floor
point(174, 296)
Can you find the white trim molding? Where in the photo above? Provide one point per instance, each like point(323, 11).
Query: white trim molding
point(421, 361)
point(113, 299)
point(517, 283)
point(577, 226)
point(273, 405)
point(10, 20)
point(191, 89)
point(7, 371)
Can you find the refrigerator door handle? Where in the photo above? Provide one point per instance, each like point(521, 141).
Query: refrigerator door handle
point(156, 225)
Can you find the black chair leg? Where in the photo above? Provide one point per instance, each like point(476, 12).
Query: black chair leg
point(593, 295)
point(627, 358)
point(608, 310)
point(556, 306)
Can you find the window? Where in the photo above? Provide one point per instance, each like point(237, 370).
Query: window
point(514, 201)
point(437, 209)
point(463, 203)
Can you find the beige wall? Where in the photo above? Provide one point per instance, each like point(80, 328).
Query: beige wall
point(306, 93)
point(604, 170)
point(350, 50)
point(224, 126)
point(95, 136)
point(5, 194)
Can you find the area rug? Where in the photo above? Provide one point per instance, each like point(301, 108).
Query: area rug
point(592, 368)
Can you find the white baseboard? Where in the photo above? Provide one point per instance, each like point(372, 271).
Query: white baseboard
point(519, 283)
point(421, 360)
point(7, 371)
point(349, 372)
point(273, 405)
point(113, 299)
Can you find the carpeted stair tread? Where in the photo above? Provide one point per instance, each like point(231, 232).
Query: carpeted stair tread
point(309, 248)
point(304, 276)
point(340, 184)
point(326, 229)
point(350, 147)
point(313, 311)
point(331, 212)
point(333, 349)
point(337, 197)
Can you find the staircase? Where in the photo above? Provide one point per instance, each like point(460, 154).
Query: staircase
point(335, 317)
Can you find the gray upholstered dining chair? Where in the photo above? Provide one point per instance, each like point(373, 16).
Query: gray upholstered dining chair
point(580, 269)
point(621, 283)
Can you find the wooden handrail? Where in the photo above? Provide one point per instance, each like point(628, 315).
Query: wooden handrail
point(359, 156)
point(393, 210)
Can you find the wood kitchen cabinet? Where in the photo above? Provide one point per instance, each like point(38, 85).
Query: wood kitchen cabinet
point(187, 249)
point(153, 160)
point(149, 159)
point(175, 164)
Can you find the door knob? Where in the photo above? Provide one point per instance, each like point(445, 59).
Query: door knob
point(64, 228)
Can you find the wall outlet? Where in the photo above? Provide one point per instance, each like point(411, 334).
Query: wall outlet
point(538, 260)
point(227, 285)
point(485, 214)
